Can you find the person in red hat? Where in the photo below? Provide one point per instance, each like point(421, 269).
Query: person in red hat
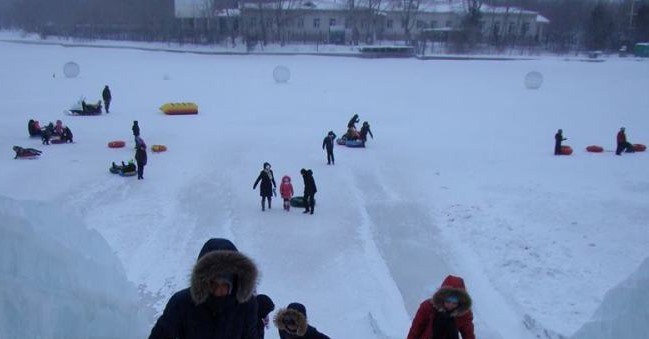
point(446, 315)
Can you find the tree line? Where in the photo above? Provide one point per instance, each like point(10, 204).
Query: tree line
point(575, 25)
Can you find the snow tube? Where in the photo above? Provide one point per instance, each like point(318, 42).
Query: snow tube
point(299, 202)
point(595, 149)
point(179, 108)
point(158, 148)
point(639, 147)
point(127, 174)
point(355, 143)
point(341, 141)
point(565, 150)
point(116, 144)
point(57, 141)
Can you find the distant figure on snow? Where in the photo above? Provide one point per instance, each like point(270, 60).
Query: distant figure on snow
point(445, 314)
point(310, 190)
point(286, 191)
point(328, 143)
point(267, 185)
point(622, 143)
point(292, 323)
point(136, 131)
point(558, 138)
point(352, 122)
point(219, 302)
point(33, 128)
point(365, 129)
point(140, 158)
point(67, 135)
point(105, 94)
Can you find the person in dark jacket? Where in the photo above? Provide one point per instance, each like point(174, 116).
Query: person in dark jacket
point(328, 143)
point(33, 128)
point(105, 94)
point(219, 302)
point(265, 305)
point(267, 186)
point(310, 190)
point(446, 315)
point(292, 323)
point(365, 129)
point(558, 138)
point(622, 143)
point(67, 134)
point(136, 131)
point(352, 122)
point(140, 158)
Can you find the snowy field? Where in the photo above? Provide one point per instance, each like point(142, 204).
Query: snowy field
point(460, 179)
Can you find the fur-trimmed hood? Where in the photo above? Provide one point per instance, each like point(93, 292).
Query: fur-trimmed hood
point(288, 315)
point(452, 287)
point(218, 258)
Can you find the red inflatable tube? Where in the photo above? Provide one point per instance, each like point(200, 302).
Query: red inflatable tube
point(595, 149)
point(116, 144)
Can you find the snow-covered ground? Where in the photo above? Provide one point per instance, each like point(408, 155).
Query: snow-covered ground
point(460, 179)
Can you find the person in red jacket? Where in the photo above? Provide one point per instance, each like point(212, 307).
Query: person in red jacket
point(622, 143)
point(445, 314)
point(286, 191)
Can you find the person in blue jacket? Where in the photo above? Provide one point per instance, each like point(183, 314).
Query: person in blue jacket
point(219, 303)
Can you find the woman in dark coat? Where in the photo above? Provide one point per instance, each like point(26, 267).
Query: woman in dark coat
point(140, 158)
point(365, 129)
point(446, 315)
point(105, 94)
point(219, 303)
point(267, 185)
point(292, 323)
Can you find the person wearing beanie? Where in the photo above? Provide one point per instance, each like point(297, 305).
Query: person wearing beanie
point(286, 192)
point(328, 143)
point(365, 129)
point(446, 315)
point(310, 190)
point(265, 306)
point(268, 185)
point(291, 322)
point(219, 301)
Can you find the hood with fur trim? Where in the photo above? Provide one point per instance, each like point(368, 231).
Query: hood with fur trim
point(452, 286)
point(288, 315)
point(220, 258)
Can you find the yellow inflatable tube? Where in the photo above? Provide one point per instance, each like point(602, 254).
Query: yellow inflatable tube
point(178, 108)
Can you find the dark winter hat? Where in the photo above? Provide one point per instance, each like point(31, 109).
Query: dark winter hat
point(303, 171)
point(220, 260)
point(266, 165)
point(217, 244)
point(309, 172)
point(330, 133)
point(134, 122)
point(298, 307)
point(265, 305)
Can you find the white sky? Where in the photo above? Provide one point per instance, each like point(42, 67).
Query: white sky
point(459, 180)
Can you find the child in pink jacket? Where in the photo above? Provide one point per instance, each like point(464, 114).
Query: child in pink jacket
point(286, 191)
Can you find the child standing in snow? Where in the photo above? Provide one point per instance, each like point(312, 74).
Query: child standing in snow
point(286, 191)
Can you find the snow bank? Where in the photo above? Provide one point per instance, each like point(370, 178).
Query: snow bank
point(624, 312)
point(61, 280)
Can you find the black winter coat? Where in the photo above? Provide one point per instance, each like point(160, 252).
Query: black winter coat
point(223, 319)
point(105, 94)
point(267, 183)
point(352, 122)
point(364, 130)
point(328, 142)
point(136, 130)
point(311, 333)
point(309, 183)
point(140, 156)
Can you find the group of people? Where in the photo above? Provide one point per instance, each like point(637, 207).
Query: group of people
point(354, 134)
point(222, 302)
point(63, 133)
point(268, 188)
point(623, 145)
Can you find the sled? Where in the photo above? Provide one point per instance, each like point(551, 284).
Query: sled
point(82, 107)
point(639, 147)
point(26, 153)
point(565, 150)
point(595, 149)
point(299, 202)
